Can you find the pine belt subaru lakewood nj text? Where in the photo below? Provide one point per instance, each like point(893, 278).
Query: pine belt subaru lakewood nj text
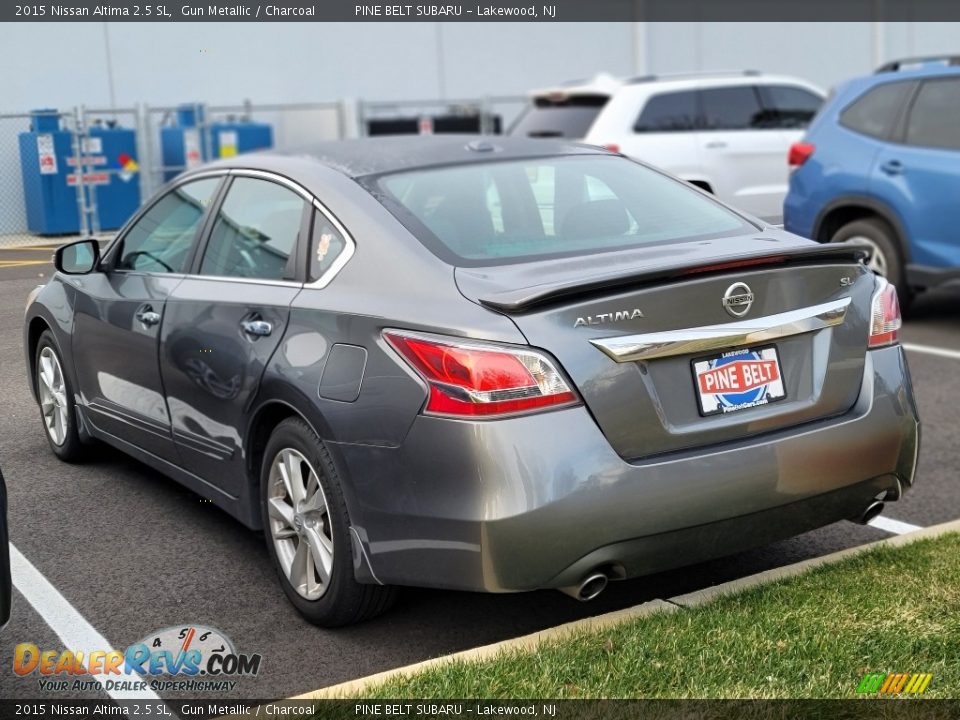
point(482, 365)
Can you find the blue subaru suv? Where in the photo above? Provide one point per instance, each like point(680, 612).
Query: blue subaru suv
point(880, 164)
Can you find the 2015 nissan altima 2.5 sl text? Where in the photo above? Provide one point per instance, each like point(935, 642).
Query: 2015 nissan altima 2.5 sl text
point(494, 365)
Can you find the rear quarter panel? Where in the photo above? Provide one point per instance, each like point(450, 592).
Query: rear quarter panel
point(841, 165)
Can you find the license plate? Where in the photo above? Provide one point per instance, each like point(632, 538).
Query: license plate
point(737, 380)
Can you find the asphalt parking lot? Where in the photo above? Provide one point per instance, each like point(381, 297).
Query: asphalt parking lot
point(133, 552)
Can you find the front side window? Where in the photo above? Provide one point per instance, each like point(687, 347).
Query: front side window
point(548, 207)
point(668, 112)
point(875, 112)
point(255, 232)
point(935, 116)
point(160, 240)
point(732, 108)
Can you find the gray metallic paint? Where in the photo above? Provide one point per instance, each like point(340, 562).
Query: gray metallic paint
point(633, 478)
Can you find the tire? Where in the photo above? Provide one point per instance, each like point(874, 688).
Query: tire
point(58, 412)
point(887, 259)
point(340, 599)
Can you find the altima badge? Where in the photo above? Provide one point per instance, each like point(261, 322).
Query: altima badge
point(602, 318)
point(738, 299)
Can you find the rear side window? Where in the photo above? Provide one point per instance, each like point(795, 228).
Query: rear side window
point(256, 231)
point(668, 112)
point(326, 244)
point(789, 106)
point(569, 117)
point(935, 115)
point(732, 108)
point(509, 211)
point(876, 111)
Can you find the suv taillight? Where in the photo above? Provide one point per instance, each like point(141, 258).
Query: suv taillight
point(885, 318)
point(799, 153)
point(478, 379)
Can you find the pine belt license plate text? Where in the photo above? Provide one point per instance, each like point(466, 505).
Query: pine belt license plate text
point(737, 380)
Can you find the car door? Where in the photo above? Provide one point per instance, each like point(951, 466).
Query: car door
point(226, 318)
point(919, 173)
point(119, 314)
point(743, 152)
point(663, 135)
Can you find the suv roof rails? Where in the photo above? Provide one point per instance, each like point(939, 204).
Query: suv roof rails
point(693, 74)
point(905, 63)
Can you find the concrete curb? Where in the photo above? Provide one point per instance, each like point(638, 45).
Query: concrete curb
point(485, 652)
point(688, 600)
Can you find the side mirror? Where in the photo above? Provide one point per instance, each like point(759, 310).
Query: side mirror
point(77, 258)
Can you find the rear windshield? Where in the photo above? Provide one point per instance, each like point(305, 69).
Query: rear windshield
point(512, 211)
point(567, 118)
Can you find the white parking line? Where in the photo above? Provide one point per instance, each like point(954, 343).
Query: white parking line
point(69, 625)
point(931, 350)
point(893, 526)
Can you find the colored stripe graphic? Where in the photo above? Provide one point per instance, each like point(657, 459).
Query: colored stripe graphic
point(894, 683)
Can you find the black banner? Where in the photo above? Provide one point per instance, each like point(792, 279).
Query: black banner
point(865, 709)
point(484, 11)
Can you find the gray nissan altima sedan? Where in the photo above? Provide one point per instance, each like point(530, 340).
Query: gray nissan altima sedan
point(492, 365)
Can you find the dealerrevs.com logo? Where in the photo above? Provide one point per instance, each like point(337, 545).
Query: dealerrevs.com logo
point(183, 658)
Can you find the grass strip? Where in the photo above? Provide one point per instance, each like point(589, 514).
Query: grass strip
point(888, 610)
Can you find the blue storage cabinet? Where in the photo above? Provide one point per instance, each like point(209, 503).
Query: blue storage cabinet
point(48, 167)
point(187, 144)
point(182, 146)
point(51, 204)
point(117, 195)
point(236, 138)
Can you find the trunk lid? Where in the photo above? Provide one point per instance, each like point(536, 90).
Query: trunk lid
point(628, 326)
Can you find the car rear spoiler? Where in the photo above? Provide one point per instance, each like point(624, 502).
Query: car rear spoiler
point(522, 299)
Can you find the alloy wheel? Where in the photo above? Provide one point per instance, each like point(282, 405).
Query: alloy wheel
point(300, 524)
point(53, 396)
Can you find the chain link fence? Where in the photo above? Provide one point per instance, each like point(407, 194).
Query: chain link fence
point(85, 171)
point(485, 116)
point(218, 131)
point(16, 140)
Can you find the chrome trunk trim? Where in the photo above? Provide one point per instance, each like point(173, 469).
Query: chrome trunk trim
point(647, 346)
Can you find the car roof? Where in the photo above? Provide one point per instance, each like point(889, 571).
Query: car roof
point(379, 155)
point(599, 84)
point(604, 84)
point(903, 70)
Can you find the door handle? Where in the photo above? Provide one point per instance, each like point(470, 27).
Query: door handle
point(257, 328)
point(148, 316)
point(892, 167)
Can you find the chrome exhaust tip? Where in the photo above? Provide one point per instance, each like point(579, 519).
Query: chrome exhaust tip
point(873, 509)
point(588, 588)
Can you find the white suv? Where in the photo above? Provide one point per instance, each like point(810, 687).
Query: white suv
point(728, 133)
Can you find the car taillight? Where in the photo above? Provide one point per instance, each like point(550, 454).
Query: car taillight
point(473, 379)
point(799, 153)
point(885, 318)
point(612, 147)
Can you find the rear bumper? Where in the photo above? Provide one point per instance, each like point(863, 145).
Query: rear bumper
point(539, 501)
point(927, 277)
